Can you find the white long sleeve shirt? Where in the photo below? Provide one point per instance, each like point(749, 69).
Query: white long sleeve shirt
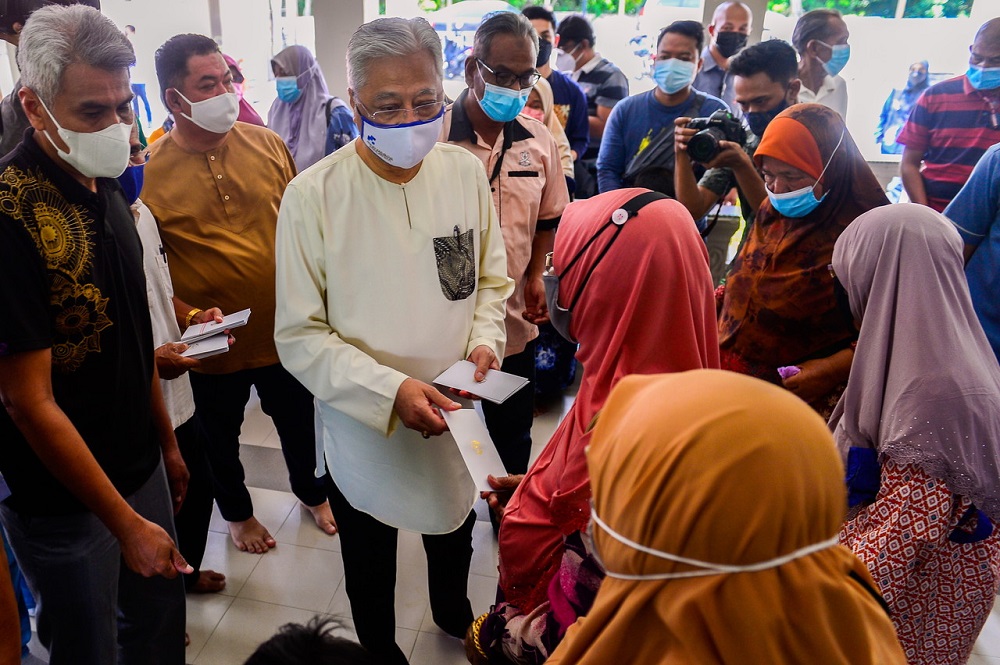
point(378, 282)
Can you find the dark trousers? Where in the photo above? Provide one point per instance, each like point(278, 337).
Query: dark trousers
point(221, 400)
point(369, 551)
point(510, 423)
point(92, 609)
point(196, 512)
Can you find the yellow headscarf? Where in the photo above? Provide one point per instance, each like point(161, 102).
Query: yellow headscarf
point(544, 91)
point(726, 469)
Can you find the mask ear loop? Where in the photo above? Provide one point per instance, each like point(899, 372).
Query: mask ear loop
point(830, 161)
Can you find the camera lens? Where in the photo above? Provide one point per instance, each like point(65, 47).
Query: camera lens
point(704, 146)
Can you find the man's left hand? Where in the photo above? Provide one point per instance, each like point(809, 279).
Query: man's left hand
point(535, 309)
point(177, 476)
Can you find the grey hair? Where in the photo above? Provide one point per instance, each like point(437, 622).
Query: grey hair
point(58, 36)
point(390, 38)
point(502, 23)
point(812, 25)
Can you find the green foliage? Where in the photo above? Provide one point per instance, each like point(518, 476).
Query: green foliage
point(883, 8)
point(593, 7)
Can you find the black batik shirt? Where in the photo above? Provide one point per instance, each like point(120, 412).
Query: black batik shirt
point(71, 280)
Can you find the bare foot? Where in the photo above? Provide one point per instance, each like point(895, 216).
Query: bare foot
point(251, 536)
point(209, 581)
point(323, 517)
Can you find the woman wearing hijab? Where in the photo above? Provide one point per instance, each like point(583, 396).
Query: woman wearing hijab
point(722, 553)
point(636, 293)
point(919, 426)
point(304, 109)
point(896, 109)
point(778, 308)
point(247, 112)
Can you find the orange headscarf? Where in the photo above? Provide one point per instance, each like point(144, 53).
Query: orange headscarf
point(725, 469)
point(779, 307)
point(647, 308)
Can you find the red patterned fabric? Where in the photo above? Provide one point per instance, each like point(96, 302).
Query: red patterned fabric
point(940, 592)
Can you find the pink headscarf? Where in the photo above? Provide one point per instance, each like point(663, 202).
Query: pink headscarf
point(925, 385)
point(648, 308)
point(247, 114)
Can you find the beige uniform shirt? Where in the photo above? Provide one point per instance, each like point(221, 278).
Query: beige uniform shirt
point(529, 192)
point(217, 212)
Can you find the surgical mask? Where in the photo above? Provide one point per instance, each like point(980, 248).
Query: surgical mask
point(759, 120)
point(673, 75)
point(403, 146)
point(544, 53)
point(537, 114)
point(803, 201)
point(729, 42)
point(707, 568)
point(288, 89)
point(983, 78)
point(131, 181)
point(503, 104)
point(102, 154)
point(840, 54)
point(216, 114)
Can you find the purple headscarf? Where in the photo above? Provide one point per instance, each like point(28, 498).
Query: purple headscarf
point(925, 385)
point(302, 124)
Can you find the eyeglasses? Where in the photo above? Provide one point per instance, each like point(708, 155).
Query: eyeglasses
point(507, 79)
point(420, 113)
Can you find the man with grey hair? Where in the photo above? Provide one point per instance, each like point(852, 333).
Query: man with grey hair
point(529, 192)
point(390, 268)
point(88, 448)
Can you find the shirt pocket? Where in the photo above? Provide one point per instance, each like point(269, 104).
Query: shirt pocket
point(456, 264)
point(523, 174)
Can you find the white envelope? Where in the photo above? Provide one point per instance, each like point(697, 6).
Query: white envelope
point(203, 330)
point(476, 446)
point(497, 386)
point(210, 346)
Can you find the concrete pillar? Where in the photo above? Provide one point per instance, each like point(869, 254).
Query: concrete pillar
point(758, 7)
point(336, 21)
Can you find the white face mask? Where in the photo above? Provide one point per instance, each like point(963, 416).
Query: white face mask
point(216, 114)
point(103, 154)
point(402, 146)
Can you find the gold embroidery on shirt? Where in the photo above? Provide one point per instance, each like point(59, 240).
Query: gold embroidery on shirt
point(62, 233)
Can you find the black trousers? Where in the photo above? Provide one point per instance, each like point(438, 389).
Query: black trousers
point(510, 423)
point(195, 514)
point(221, 400)
point(368, 547)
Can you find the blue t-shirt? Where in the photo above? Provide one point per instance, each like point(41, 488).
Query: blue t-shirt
point(635, 121)
point(341, 129)
point(571, 108)
point(975, 211)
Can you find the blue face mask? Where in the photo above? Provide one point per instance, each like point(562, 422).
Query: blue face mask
point(983, 78)
point(841, 53)
point(131, 181)
point(288, 89)
point(673, 75)
point(803, 201)
point(503, 104)
point(759, 120)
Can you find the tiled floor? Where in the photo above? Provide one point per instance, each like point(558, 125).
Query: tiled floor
point(304, 575)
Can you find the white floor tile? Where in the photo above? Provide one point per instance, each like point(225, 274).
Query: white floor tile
point(976, 659)
point(222, 556)
point(257, 426)
point(293, 576)
point(270, 507)
point(482, 595)
point(988, 643)
point(204, 612)
point(411, 598)
point(437, 649)
point(245, 625)
point(484, 550)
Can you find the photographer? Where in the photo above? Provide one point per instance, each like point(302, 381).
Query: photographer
point(765, 82)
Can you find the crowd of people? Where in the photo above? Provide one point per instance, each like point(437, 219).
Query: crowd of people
point(798, 465)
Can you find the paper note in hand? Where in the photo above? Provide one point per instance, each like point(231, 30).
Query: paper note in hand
point(497, 386)
point(210, 346)
point(478, 451)
point(203, 330)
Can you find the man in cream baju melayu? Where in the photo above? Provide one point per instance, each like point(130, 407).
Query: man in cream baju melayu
point(390, 267)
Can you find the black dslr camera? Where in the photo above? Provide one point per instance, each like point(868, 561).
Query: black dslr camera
point(17, 11)
point(720, 126)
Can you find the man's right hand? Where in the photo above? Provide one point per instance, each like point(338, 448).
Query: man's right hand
point(417, 403)
point(170, 363)
point(149, 551)
point(682, 135)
